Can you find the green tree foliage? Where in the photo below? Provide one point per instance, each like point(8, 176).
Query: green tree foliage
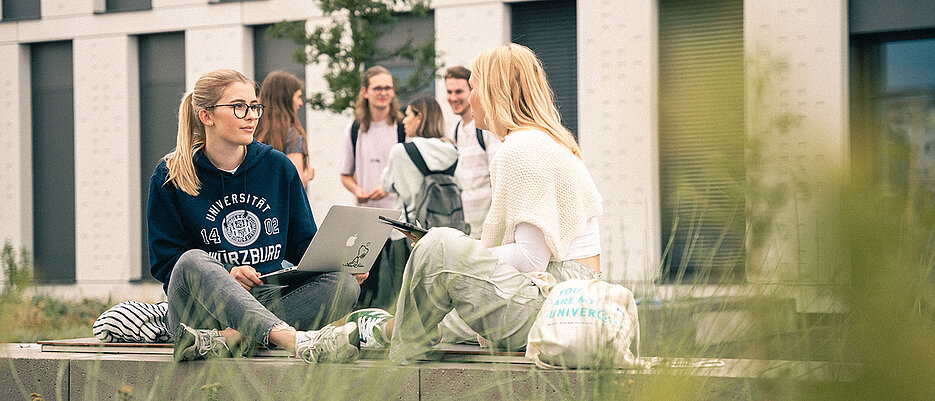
point(348, 45)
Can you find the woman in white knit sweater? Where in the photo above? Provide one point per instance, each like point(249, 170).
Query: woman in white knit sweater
point(541, 229)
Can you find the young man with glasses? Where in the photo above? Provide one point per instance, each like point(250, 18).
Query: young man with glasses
point(377, 126)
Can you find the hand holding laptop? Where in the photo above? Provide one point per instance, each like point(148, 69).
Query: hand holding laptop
point(246, 276)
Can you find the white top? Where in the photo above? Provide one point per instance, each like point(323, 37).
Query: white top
point(474, 174)
point(373, 150)
point(538, 181)
point(530, 252)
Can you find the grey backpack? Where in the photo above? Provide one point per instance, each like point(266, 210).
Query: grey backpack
point(438, 203)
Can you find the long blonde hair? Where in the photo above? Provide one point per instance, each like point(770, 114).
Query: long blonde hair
point(515, 94)
point(191, 134)
point(362, 106)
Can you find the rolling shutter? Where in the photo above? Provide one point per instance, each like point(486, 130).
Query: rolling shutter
point(701, 138)
point(53, 161)
point(550, 29)
point(162, 84)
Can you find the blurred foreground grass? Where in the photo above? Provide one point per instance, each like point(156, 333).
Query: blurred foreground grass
point(888, 328)
point(26, 317)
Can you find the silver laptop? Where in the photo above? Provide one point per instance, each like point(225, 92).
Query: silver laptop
point(349, 239)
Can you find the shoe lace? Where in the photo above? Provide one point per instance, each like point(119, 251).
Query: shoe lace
point(207, 342)
point(324, 340)
point(365, 327)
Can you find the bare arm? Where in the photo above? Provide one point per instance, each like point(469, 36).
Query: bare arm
point(351, 184)
point(306, 172)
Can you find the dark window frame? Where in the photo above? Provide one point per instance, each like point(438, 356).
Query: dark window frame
point(124, 6)
point(33, 15)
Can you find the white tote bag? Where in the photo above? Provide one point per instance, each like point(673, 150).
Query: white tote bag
point(583, 324)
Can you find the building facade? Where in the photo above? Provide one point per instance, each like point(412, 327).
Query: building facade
point(665, 97)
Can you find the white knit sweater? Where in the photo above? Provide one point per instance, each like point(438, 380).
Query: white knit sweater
point(536, 180)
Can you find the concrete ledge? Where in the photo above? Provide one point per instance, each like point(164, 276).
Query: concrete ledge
point(24, 371)
point(82, 376)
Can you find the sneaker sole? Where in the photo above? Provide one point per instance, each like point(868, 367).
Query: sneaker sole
point(182, 343)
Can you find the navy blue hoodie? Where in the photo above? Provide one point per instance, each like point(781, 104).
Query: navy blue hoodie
point(257, 216)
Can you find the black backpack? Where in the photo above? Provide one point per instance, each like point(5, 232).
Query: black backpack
point(355, 131)
point(478, 131)
point(438, 203)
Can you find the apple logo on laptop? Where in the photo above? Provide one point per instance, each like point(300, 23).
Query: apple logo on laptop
point(351, 240)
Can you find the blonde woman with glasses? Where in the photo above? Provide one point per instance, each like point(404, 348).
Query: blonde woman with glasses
point(541, 229)
point(224, 208)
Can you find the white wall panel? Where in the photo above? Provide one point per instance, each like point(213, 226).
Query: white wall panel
point(325, 136)
point(458, 39)
point(16, 158)
point(618, 131)
point(797, 71)
point(66, 8)
point(107, 159)
point(207, 49)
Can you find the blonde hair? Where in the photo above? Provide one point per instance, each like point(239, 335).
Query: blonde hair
point(515, 94)
point(191, 134)
point(362, 106)
point(432, 124)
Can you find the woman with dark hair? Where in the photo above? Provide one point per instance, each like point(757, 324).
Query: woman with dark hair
point(281, 93)
point(425, 126)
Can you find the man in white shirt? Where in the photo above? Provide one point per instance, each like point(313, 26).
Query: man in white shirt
point(477, 148)
point(377, 126)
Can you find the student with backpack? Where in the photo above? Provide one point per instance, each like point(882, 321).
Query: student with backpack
point(368, 139)
point(421, 175)
point(477, 149)
point(422, 172)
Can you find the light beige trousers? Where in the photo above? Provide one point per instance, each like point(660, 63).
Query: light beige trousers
point(450, 270)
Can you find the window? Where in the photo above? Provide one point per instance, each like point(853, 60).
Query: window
point(53, 161)
point(420, 30)
point(892, 70)
point(16, 10)
point(894, 114)
point(162, 84)
point(271, 54)
point(113, 6)
point(701, 139)
point(550, 29)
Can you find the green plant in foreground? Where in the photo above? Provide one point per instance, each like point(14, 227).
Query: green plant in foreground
point(17, 271)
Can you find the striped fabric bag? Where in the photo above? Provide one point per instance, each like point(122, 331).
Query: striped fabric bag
point(133, 322)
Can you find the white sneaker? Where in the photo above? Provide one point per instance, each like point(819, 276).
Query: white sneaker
point(331, 344)
point(192, 344)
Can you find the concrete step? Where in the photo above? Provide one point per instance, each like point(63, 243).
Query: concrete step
point(24, 369)
point(736, 327)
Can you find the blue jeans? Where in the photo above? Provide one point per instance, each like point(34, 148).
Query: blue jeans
point(204, 295)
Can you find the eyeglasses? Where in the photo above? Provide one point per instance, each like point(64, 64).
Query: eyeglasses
point(382, 89)
point(240, 109)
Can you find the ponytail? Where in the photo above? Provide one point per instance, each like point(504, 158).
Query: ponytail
point(191, 136)
point(190, 139)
